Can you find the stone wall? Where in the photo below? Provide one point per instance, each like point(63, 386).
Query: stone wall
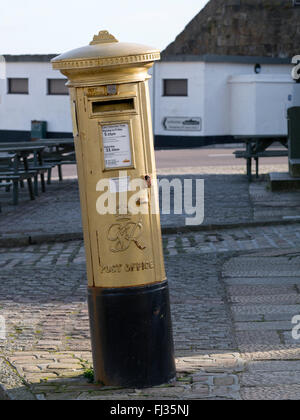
point(269, 28)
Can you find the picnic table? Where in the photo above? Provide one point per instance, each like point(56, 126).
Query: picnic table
point(27, 160)
point(40, 142)
point(57, 152)
point(4, 158)
point(18, 168)
point(256, 147)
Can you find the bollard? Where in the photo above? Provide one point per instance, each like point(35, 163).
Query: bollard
point(128, 295)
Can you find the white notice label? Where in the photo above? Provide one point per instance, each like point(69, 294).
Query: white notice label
point(118, 185)
point(116, 144)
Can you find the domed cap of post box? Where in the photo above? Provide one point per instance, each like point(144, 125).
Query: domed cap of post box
point(105, 51)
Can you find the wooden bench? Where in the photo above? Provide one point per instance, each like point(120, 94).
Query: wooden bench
point(14, 168)
point(38, 165)
point(15, 178)
point(59, 159)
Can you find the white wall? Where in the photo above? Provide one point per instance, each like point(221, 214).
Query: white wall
point(272, 103)
point(167, 106)
point(259, 103)
point(209, 96)
point(219, 108)
point(225, 109)
point(17, 111)
point(241, 108)
point(217, 96)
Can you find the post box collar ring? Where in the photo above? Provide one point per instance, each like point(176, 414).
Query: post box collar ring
point(106, 51)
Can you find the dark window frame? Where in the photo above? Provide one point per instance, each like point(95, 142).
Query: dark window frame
point(9, 86)
point(184, 95)
point(55, 94)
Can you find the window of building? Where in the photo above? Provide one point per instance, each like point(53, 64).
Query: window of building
point(57, 87)
point(18, 86)
point(175, 87)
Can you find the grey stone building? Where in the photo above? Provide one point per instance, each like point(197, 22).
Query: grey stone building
point(229, 72)
point(263, 28)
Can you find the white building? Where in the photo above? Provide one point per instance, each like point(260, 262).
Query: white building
point(193, 102)
point(214, 98)
point(235, 61)
point(31, 90)
point(227, 74)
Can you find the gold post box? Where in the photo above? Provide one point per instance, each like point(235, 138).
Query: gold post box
point(128, 292)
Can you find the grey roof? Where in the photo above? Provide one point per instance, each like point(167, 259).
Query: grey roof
point(29, 58)
point(214, 58)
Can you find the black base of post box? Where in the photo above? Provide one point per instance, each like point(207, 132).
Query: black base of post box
point(132, 338)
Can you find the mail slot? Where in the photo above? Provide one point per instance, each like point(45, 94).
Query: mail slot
point(113, 106)
point(128, 292)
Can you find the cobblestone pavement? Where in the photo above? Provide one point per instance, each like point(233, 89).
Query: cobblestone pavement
point(233, 296)
point(263, 292)
point(229, 199)
point(222, 169)
point(206, 242)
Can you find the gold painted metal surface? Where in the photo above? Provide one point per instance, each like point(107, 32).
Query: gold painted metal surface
point(103, 37)
point(105, 51)
point(108, 84)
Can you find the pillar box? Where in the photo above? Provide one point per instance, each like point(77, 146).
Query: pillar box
point(128, 292)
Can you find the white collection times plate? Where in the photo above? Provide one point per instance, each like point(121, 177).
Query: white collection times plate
point(116, 145)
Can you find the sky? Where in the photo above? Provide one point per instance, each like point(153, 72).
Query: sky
point(55, 26)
